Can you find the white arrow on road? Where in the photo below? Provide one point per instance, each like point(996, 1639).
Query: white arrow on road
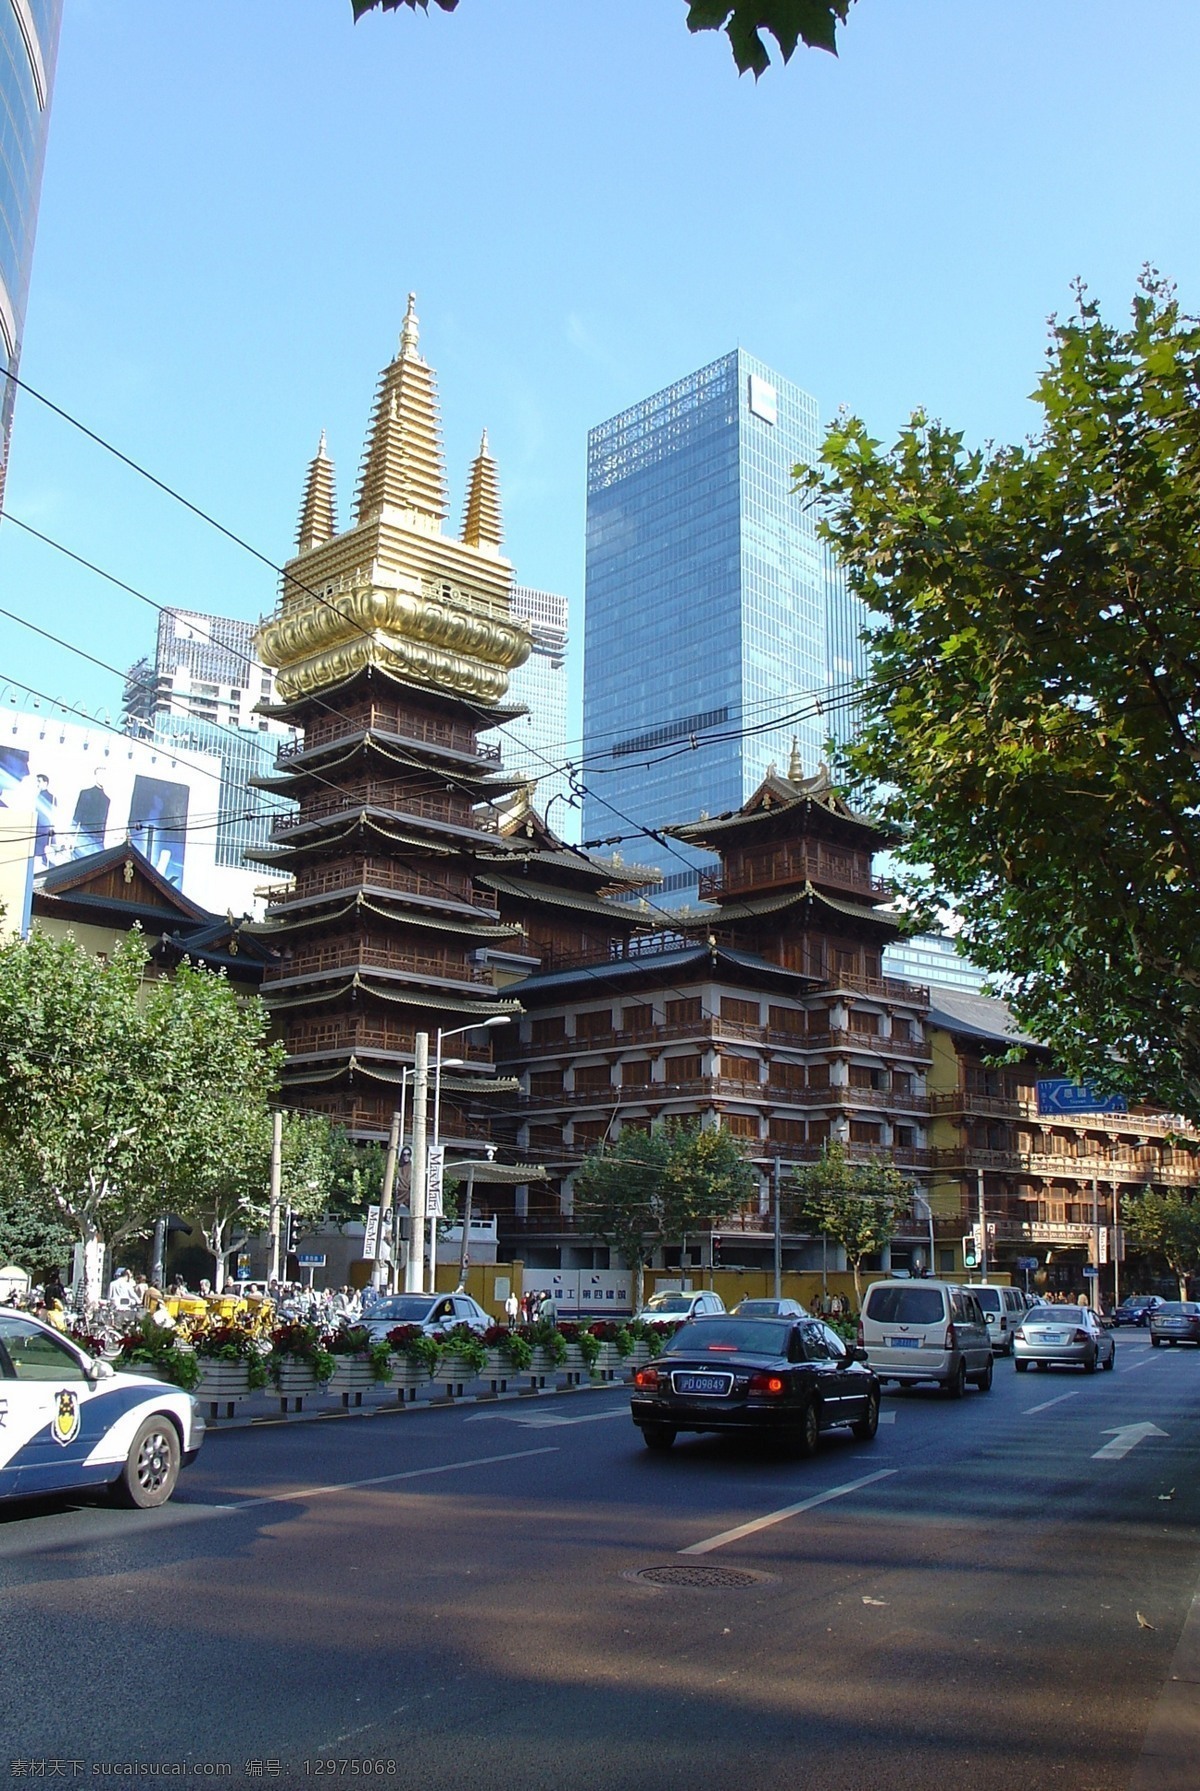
point(543, 1420)
point(1124, 1438)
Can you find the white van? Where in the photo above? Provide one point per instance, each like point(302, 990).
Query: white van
point(926, 1331)
point(1004, 1308)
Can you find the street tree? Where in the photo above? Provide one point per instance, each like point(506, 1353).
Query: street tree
point(1031, 713)
point(31, 1235)
point(852, 1204)
point(746, 23)
point(120, 1096)
point(651, 1189)
point(1166, 1224)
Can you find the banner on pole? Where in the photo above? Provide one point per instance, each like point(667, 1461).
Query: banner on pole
point(371, 1235)
point(435, 1163)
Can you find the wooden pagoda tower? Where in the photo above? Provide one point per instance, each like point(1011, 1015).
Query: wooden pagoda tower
point(392, 643)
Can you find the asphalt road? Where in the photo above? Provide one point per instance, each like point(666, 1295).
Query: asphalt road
point(447, 1599)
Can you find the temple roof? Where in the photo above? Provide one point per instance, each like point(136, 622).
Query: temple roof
point(776, 796)
point(402, 461)
point(755, 907)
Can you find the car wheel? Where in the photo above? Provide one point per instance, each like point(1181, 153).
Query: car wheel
point(984, 1381)
point(1112, 1360)
point(1155, 1342)
point(868, 1424)
point(151, 1467)
point(807, 1434)
point(1092, 1363)
point(1021, 1365)
point(956, 1386)
point(658, 1436)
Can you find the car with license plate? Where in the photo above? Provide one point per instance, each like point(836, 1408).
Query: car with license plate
point(71, 1422)
point(1137, 1310)
point(429, 1312)
point(1067, 1336)
point(787, 1379)
point(672, 1305)
point(1003, 1308)
point(926, 1331)
point(1175, 1321)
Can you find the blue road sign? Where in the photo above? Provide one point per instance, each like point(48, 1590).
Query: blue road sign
point(1027, 1262)
point(1057, 1094)
point(311, 1259)
point(1090, 1271)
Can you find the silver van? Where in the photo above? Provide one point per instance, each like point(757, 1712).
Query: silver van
point(927, 1331)
point(1004, 1308)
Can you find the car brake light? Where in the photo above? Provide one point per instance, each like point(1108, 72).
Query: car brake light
point(1003, 1322)
point(646, 1377)
point(948, 1340)
point(1019, 1333)
point(766, 1383)
point(1079, 1336)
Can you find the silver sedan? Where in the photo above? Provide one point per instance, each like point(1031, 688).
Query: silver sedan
point(1068, 1334)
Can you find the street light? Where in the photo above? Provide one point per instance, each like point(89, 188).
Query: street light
point(925, 1202)
point(440, 1064)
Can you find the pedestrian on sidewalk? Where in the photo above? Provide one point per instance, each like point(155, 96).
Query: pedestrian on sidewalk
point(512, 1310)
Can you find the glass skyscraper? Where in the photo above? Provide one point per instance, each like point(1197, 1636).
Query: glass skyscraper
point(715, 624)
point(538, 741)
point(28, 48)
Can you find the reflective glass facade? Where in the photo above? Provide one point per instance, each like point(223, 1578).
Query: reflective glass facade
point(28, 47)
point(533, 743)
point(711, 605)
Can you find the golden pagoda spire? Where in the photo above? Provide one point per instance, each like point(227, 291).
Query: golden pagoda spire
point(795, 763)
point(481, 514)
point(402, 461)
point(318, 511)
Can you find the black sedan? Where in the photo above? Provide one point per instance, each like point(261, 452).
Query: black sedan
point(785, 1378)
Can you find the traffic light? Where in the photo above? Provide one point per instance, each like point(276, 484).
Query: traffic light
point(291, 1234)
point(970, 1251)
point(716, 1252)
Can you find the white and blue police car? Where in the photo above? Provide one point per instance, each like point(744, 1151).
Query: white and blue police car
point(69, 1422)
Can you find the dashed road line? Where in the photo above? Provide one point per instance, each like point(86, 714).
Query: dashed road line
point(777, 1517)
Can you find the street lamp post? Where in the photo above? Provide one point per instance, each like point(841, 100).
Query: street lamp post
point(443, 1034)
point(928, 1205)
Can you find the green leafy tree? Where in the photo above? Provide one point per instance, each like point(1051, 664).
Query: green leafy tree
point(852, 1204)
point(31, 1235)
point(651, 1189)
point(746, 23)
point(120, 1096)
point(1166, 1224)
point(1031, 712)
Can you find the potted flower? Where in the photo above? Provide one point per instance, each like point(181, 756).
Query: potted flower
point(464, 1358)
point(155, 1350)
point(233, 1364)
point(415, 1356)
point(582, 1349)
point(508, 1354)
point(549, 1348)
point(360, 1362)
point(609, 1356)
point(300, 1363)
point(644, 1342)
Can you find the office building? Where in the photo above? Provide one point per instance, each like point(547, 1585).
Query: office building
point(935, 959)
point(536, 742)
point(28, 48)
point(718, 633)
point(200, 693)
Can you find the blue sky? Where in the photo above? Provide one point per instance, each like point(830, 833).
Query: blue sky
point(589, 203)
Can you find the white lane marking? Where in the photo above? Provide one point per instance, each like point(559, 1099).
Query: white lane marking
point(1124, 1438)
point(1134, 1365)
point(544, 1420)
point(317, 1492)
point(777, 1517)
point(1047, 1403)
point(887, 1417)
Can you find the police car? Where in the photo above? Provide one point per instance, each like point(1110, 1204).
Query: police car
point(68, 1422)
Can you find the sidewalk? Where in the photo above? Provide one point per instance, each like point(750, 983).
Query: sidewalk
point(1171, 1751)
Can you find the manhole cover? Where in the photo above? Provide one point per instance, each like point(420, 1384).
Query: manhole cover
point(730, 1579)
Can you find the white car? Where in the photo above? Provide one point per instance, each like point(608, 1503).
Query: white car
point(69, 1422)
point(673, 1306)
point(431, 1312)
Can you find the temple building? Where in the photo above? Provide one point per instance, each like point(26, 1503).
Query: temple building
point(392, 645)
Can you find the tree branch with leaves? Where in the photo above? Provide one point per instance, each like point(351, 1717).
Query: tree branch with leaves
point(852, 1204)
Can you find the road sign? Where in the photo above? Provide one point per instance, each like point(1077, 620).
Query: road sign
point(1090, 1271)
point(371, 1234)
point(1058, 1094)
point(311, 1259)
point(1027, 1262)
point(242, 1271)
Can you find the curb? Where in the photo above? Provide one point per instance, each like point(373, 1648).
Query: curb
point(1170, 1756)
point(218, 1426)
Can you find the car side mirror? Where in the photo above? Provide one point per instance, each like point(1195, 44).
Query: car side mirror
point(856, 1352)
point(101, 1370)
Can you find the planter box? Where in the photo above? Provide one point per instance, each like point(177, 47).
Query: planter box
point(499, 1371)
point(408, 1378)
point(609, 1364)
point(542, 1368)
point(352, 1378)
point(223, 1384)
point(297, 1382)
point(456, 1375)
point(574, 1366)
point(642, 1352)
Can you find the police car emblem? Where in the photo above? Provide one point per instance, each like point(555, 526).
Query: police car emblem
point(65, 1427)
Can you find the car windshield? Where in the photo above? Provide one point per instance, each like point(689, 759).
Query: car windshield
point(669, 1302)
point(759, 1309)
point(905, 1305)
point(1136, 1303)
point(726, 1336)
point(402, 1309)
